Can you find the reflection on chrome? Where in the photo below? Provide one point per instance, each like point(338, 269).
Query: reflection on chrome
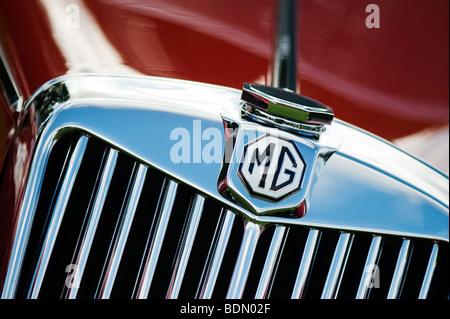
point(358, 185)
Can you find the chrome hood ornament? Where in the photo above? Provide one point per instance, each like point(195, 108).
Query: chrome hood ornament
point(285, 109)
point(279, 151)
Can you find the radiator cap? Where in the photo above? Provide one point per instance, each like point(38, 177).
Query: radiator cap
point(285, 109)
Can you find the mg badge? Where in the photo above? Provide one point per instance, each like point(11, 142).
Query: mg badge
point(273, 157)
point(271, 168)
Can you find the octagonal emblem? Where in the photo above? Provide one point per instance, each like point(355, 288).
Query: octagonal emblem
point(271, 168)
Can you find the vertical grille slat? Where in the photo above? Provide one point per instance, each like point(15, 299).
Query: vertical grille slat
point(271, 261)
point(217, 251)
point(369, 268)
point(88, 236)
point(400, 270)
point(133, 231)
point(337, 266)
point(185, 251)
point(155, 242)
point(57, 216)
point(119, 244)
point(306, 263)
point(243, 264)
point(429, 272)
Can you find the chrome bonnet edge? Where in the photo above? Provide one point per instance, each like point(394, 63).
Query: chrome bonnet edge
point(158, 107)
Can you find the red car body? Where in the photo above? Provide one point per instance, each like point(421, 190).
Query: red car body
point(392, 81)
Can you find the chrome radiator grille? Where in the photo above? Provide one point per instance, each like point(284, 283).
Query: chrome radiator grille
point(108, 226)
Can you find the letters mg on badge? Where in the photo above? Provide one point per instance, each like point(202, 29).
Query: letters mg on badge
point(271, 167)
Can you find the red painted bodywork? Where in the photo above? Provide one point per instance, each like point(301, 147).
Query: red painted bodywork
point(392, 81)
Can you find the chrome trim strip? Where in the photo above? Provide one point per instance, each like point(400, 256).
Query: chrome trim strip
point(429, 273)
point(94, 217)
point(188, 241)
point(372, 260)
point(337, 266)
point(125, 226)
point(244, 261)
point(272, 259)
point(306, 263)
point(8, 83)
point(219, 252)
point(157, 240)
point(400, 269)
point(57, 216)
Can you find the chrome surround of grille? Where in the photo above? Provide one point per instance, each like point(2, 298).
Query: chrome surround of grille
point(87, 98)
